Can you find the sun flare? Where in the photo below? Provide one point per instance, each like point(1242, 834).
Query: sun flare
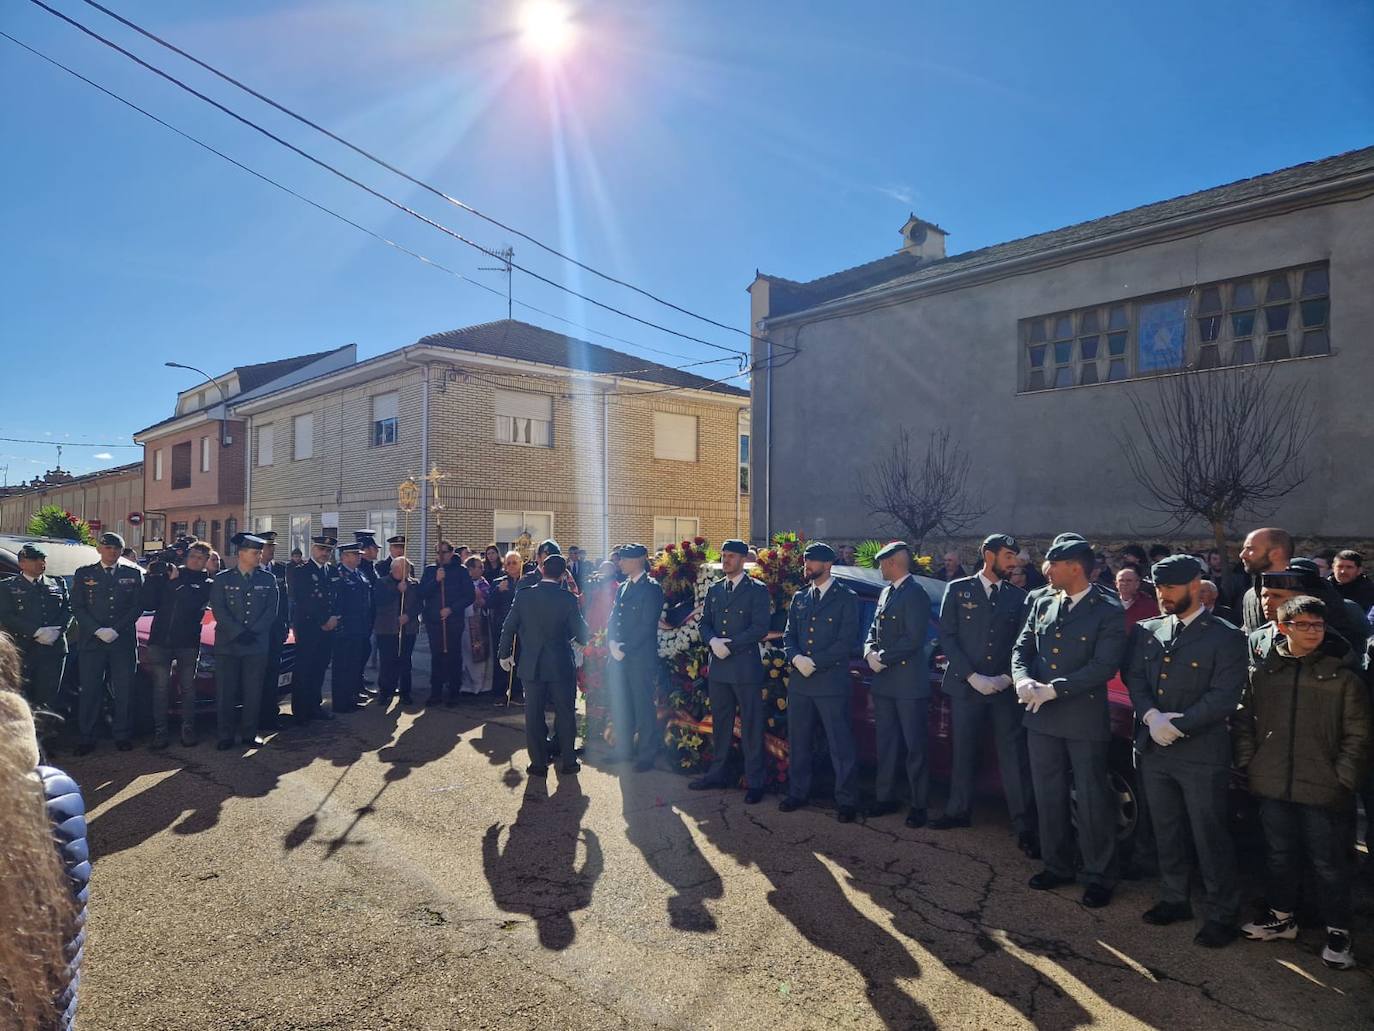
point(546, 28)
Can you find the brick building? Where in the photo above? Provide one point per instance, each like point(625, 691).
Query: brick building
point(105, 499)
point(532, 431)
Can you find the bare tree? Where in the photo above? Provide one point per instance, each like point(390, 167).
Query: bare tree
point(1215, 445)
point(921, 493)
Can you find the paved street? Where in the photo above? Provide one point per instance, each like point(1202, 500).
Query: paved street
point(400, 871)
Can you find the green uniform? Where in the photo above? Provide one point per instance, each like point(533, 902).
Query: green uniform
point(26, 607)
point(245, 607)
point(105, 599)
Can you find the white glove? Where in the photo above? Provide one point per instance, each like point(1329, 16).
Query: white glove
point(107, 634)
point(577, 655)
point(508, 663)
point(1040, 695)
point(720, 647)
point(875, 662)
point(983, 685)
point(1025, 688)
point(1162, 729)
point(617, 652)
point(47, 634)
point(805, 664)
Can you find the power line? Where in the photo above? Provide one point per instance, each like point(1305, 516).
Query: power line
point(63, 443)
point(376, 193)
point(344, 218)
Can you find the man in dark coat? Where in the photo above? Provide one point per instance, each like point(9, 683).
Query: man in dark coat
point(314, 617)
point(734, 620)
point(36, 610)
point(897, 653)
point(446, 591)
point(353, 636)
point(244, 602)
point(367, 569)
point(1270, 550)
point(1072, 643)
point(177, 596)
point(107, 599)
point(821, 635)
point(979, 620)
point(632, 639)
point(276, 641)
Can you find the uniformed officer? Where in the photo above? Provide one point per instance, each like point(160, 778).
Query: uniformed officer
point(353, 602)
point(244, 602)
point(446, 591)
point(36, 610)
point(1186, 672)
point(106, 602)
point(632, 638)
point(395, 548)
point(979, 620)
point(367, 569)
point(896, 651)
point(1072, 643)
point(270, 705)
point(314, 619)
point(822, 630)
point(547, 620)
point(734, 620)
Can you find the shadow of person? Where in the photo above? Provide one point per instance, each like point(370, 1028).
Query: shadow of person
point(537, 873)
point(500, 742)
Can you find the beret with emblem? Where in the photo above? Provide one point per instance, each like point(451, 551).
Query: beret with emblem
point(1176, 570)
point(736, 546)
point(32, 551)
point(998, 541)
point(1068, 546)
point(819, 551)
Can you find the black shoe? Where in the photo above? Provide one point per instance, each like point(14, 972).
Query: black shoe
point(224, 746)
point(85, 748)
point(916, 819)
point(1047, 879)
point(537, 771)
point(1216, 935)
point(124, 744)
point(1095, 896)
point(1162, 914)
point(882, 809)
point(257, 741)
point(704, 784)
point(644, 766)
point(945, 822)
point(1029, 844)
point(790, 804)
point(846, 814)
point(572, 767)
point(753, 796)
point(407, 700)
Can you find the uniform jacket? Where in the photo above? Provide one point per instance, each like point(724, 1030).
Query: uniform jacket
point(977, 634)
point(741, 616)
point(547, 619)
point(900, 629)
point(1302, 732)
point(243, 605)
point(499, 602)
point(354, 602)
point(826, 631)
point(1339, 617)
point(389, 602)
point(25, 608)
point(312, 595)
point(101, 599)
point(634, 617)
point(178, 607)
point(458, 593)
point(1076, 652)
point(1201, 673)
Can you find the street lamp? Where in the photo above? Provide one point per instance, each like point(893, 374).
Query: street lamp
point(208, 379)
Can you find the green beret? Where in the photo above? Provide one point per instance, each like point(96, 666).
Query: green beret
point(997, 541)
point(1068, 546)
point(633, 551)
point(32, 551)
point(818, 551)
point(890, 549)
point(736, 546)
point(1176, 570)
point(110, 539)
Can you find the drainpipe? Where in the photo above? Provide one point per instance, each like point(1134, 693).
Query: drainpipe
point(768, 452)
point(249, 457)
point(424, 460)
point(605, 474)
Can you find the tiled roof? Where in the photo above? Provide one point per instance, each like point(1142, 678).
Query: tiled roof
point(788, 296)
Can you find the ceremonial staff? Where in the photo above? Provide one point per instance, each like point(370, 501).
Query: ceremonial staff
point(407, 497)
point(436, 506)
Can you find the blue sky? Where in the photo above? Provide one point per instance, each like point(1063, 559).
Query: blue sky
point(679, 145)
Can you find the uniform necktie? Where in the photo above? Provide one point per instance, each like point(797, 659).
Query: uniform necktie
point(729, 587)
point(815, 596)
point(992, 594)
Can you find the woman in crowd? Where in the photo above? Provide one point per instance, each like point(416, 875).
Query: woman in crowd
point(396, 623)
point(492, 568)
point(507, 686)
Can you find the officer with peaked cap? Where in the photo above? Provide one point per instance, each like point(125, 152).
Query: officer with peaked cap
point(314, 617)
point(36, 610)
point(352, 637)
point(244, 603)
point(632, 638)
point(734, 620)
point(822, 625)
point(1186, 671)
point(367, 569)
point(395, 548)
point(106, 602)
point(1071, 644)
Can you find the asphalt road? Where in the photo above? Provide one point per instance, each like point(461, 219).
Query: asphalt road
point(399, 871)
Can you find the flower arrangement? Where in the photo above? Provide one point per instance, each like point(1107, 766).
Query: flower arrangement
point(866, 555)
point(55, 521)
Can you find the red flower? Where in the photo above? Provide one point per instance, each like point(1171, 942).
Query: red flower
point(670, 547)
point(788, 546)
point(699, 541)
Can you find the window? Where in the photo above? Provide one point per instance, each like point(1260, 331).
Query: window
point(265, 445)
point(178, 530)
point(300, 533)
point(231, 530)
point(744, 463)
point(154, 529)
point(181, 466)
point(198, 530)
point(510, 525)
point(384, 407)
point(205, 454)
point(383, 524)
point(524, 419)
point(303, 435)
point(675, 437)
point(1265, 318)
point(261, 523)
point(673, 530)
point(157, 464)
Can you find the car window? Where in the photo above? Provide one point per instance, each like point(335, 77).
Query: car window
point(64, 558)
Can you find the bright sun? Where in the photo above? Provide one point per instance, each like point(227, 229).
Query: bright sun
point(546, 27)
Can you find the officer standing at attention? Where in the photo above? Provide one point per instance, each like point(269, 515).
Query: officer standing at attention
point(1072, 643)
point(548, 620)
point(895, 651)
point(353, 603)
point(244, 602)
point(446, 591)
point(367, 569)
point(1186, 672)
point(734, 619)
point(822, 626)
point(106, 601)
point(314, 619)
point(979, 620)
point(632, 638)
point(267, 720)
point(395, 548)
point(36, 611)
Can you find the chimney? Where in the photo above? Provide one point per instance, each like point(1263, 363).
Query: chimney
point(923, 239)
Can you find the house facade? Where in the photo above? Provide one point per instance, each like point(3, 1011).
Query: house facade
point(111, 499)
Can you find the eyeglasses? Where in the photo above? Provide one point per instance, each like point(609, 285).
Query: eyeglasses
point(1307, 628)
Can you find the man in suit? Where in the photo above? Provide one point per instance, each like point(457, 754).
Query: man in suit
point(1211, 601)
point(822, 627)
point(734, 620)
point(1071, 644)
point(896, 651)
point(106, 602)
point(577, 567)
point(314, 618)
point(36, 610)
point(632, 639)
point(979, 620)
point(276, 641)
point(244, 601)
point(446, 591)
point(548, 620)
point(1186, 671)
point(535, 575)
